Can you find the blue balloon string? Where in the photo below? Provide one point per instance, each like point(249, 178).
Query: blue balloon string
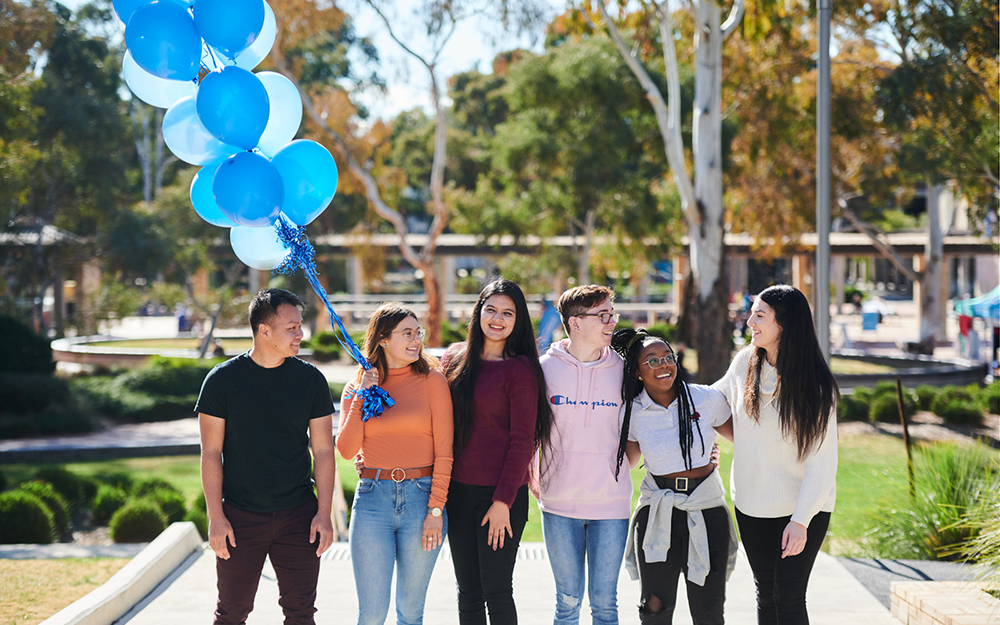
point(301, 255)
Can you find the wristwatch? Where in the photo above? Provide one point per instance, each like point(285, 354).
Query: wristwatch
point(435, 512)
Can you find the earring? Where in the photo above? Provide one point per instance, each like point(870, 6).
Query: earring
point(640, 377)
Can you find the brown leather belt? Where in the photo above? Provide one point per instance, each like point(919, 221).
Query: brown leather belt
point(397, 474)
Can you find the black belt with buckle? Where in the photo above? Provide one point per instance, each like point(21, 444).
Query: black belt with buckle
point(679, 484)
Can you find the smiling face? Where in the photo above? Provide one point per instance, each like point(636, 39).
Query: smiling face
point(283, 332)
point(588, 328)
point(402, 347)
point(658, 379)
point(497, 318)
point(764, 328)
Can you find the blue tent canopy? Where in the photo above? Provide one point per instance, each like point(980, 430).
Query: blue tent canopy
point(986, 306)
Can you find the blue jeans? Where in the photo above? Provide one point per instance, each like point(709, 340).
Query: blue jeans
point(602, 543)
point(387, 520)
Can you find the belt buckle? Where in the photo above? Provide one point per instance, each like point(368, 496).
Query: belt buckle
point(393, 475)
point(677, 484)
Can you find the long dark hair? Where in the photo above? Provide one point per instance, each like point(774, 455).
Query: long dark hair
point(462, 370)
point(383, 321)
point(807, 392)
point(628, 343)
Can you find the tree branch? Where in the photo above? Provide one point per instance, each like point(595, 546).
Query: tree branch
point(879, 241)
point(735, 16)
point(668, 120)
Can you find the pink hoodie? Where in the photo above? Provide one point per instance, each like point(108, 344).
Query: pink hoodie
point(577, 470)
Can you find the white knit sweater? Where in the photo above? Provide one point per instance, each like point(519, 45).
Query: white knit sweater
point(768, 480)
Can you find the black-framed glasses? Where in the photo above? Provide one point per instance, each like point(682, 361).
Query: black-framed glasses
point(606, 317)
point(655, 362)
point(410, 334)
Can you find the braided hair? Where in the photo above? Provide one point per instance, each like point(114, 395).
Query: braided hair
point(628, 343)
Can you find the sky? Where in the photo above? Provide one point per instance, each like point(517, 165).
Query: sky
point(472, 46)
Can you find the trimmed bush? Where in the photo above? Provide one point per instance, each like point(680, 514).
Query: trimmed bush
point(77, 490)
point(324, 346)
point(3, 482)
point(171, 503)
point(55, 503)
point(34, 404)
point(109, 499)
point(22, 350)
point(24, 518)
point(455, 333)
point(926, 394)
point(118, 479)
point(137, 522)
point(665, 331)
point(200, 520)
point(31, 393)
point(150, 485)
point(851, 408)
point(885, 407)
point(958, 405)
point(199, 503)
point(992, 395)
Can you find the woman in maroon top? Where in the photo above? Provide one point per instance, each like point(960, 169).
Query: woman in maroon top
point(501, 416)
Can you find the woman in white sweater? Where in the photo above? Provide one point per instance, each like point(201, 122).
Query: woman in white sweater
point(784, 401)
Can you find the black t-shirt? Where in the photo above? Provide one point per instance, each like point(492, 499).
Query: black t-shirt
point(265, 454)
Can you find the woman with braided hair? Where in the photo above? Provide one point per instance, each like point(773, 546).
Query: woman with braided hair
point(681, 523)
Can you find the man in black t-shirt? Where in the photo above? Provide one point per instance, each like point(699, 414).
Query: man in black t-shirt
point(259, 414)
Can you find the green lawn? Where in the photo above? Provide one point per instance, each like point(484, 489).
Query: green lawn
point(872, 469)
point(231, 345)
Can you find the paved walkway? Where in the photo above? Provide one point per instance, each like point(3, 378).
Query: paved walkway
point(835, 596)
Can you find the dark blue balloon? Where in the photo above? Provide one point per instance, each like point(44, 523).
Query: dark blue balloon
point(164, 41)
point(233, 105)
point(248, 189)
point(229, 26)
point(309, 175)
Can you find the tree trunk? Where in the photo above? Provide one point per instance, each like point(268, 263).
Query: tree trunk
point(583, 258)
point(706, 224)
point(433, 291)
point(930, 282)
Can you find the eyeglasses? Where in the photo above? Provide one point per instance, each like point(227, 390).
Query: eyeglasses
point(606, 317)
point(654, 362)
point(412, 335)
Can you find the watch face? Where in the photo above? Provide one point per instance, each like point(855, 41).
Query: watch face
point(436, 512)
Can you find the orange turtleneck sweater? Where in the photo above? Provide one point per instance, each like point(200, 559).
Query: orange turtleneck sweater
point(415, 432)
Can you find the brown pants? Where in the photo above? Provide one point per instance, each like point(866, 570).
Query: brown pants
point(282, 535)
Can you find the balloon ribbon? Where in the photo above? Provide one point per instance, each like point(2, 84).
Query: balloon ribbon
point(301, 255)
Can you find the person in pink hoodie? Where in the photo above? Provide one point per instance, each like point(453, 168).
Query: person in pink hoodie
point(585, 506)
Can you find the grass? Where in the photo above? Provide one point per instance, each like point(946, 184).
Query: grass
point(849, 366)
point(33, 590)
point(231, 345)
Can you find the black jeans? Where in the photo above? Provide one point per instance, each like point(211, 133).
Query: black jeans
point(659, 579)
point(781, 583)
point(485, 577)
point(284, 535)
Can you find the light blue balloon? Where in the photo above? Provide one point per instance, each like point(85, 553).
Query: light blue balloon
point(259, 248)
point(309, 175)
point(248, 189)
point(202, 198)
point(188, 138)
point(233, 105)
point(229, 26)
point(164, 41)
point(125, 8)
point(261, 46)
point(153, 90)
point(285, 112)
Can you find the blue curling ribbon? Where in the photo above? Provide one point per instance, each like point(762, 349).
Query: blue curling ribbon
point(301, 255)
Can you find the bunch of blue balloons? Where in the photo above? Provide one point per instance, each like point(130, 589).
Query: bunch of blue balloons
point(194, 58)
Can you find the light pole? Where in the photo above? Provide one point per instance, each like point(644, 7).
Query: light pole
point(822, 311)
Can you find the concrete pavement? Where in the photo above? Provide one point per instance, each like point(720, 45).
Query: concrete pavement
point(188, 596)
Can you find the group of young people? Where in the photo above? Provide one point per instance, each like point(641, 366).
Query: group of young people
point(467, 438)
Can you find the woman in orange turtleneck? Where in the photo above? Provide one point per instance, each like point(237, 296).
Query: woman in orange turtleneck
point(398, 517)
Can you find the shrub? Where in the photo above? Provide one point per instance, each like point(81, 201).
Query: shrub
point(55, 503)
point(992, 395)
point(31, 393)
point(3, 482)
point(665, 331)
point(455, 333)
point(948, 479)
point(926, 394)
point(107, 501)
point(885, 407)
point(150, 485)
point(78, 490)
point(36, 404)
point(324, 346)
point(885, 387)
point(200, 520)
point(118, 479)
point(958, 405)
point(137, 522)
point(22, 350)
point(171, 503)
point(983, 519)
point(199, 503)
point(852, 409)
point(24, 518)
point(168, 376)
